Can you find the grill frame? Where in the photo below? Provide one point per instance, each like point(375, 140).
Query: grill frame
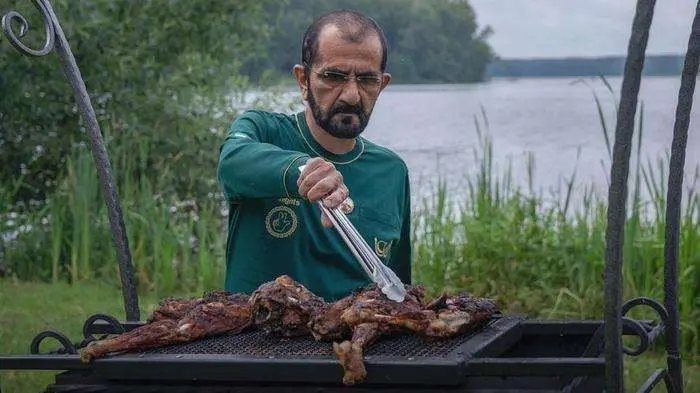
point(511, 354)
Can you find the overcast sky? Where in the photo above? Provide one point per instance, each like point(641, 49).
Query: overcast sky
point(558, 28)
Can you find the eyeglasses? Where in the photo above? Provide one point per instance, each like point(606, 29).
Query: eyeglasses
point(369, 82)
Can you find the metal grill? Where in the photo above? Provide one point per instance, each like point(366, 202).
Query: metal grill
point(258, 344)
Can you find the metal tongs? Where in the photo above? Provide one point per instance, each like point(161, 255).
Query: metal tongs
point(383, 276)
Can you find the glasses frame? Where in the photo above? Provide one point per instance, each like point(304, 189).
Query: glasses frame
point(366, 82)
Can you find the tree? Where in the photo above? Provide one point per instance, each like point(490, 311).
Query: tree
point(159, 74)
point(429, 40)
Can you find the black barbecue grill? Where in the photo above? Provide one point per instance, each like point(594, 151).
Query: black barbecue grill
point(508, 354)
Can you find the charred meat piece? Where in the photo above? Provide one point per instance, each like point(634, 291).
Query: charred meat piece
point(350, 353)
point(176, 308)
point(225, 313)
point(325, 323)
point(370, 315)
point(283, 307)
point(372, 306)
point(173, 308)
point(152, 335)
point(334, 321)
point(458, 314)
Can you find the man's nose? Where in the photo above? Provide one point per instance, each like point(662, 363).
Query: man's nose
point(350, 92)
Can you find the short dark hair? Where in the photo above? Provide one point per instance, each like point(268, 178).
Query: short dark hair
point(341, 18)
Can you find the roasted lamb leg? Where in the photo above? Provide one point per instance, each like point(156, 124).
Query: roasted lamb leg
point(350, 353)
point(173, 308)
point(371, 314)
point(217, 313)
point(151, 335)
point(283, 307)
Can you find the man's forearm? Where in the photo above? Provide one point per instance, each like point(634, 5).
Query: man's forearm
point(250, 169)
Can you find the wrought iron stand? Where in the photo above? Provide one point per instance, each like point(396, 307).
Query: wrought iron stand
point(617, 197)
point(615, 320)
point(55, 37)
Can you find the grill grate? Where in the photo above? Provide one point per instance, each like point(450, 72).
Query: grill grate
point(258, 344)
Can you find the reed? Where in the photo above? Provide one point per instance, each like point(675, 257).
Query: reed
point(175, 245)
point(547, 260)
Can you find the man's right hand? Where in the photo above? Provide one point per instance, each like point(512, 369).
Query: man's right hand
point(321, 181)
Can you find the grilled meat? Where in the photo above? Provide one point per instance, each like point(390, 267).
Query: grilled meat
point(176, 308)
point(173, 308)
point(283, 307)
point(370, 315)
point(350, 352)
point(217, 313)
point(325, 323)
point(371, 305)
point(286, 308)
point(335, 320)
point(152, 335)
point(228, 313)
point(458, 314)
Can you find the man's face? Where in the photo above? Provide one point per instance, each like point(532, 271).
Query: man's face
point(344, 82)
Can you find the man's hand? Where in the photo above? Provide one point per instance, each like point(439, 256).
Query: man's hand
point(321, 181)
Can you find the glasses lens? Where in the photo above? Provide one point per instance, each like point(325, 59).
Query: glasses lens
point(368, 81)
point(333, 78)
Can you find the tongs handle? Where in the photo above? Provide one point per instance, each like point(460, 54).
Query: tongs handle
point(336, 218)
point(387, 280)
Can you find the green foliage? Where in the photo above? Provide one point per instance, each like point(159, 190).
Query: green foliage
point(429, 40)
point(158, 72)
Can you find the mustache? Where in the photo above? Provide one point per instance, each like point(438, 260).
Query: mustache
point(348, 109)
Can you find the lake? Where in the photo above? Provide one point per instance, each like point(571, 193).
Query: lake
point(556, 120)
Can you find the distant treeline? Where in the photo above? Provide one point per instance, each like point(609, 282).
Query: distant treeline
point(654, 65)
point(429, 40)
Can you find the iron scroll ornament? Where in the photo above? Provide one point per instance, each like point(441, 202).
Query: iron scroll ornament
point(55, 38)
point(15, 39)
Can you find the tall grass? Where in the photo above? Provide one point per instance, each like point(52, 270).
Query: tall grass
point(509, 243)
point(175, 245)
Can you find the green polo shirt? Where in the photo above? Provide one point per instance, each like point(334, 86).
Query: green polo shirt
point(273, 231)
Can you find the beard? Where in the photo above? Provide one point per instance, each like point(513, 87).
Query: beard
point(341, 126)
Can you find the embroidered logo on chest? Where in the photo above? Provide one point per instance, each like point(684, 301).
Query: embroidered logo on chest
point(382, 247)
point(281, 222)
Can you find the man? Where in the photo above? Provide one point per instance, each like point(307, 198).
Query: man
point(275, 224)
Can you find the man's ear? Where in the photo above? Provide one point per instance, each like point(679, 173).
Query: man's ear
point(386, 79)
point(300, 75)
